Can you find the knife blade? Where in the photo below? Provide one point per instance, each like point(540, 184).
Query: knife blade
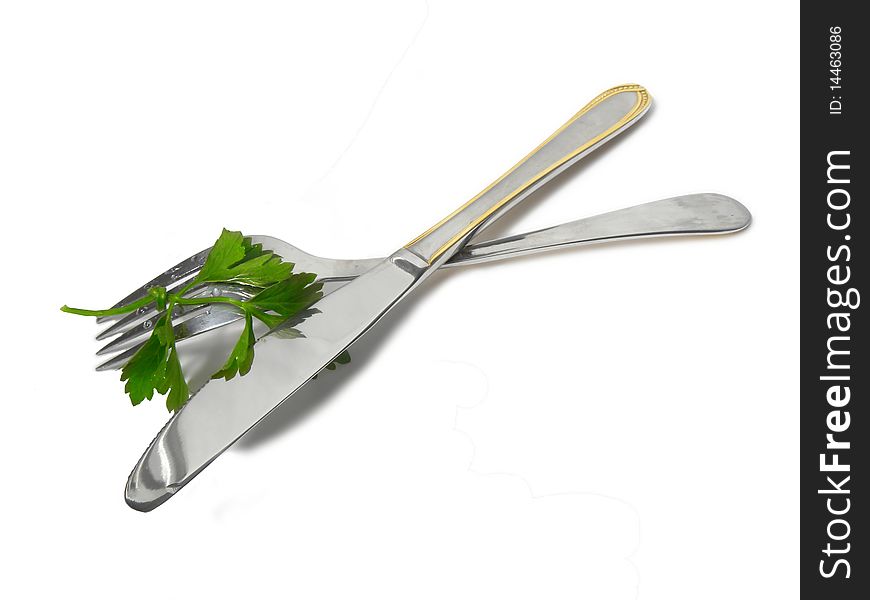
point(222, 411)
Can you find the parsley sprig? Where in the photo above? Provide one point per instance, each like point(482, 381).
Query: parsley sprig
point(277, 294)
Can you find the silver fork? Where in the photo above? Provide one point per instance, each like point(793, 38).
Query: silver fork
point(695, 214)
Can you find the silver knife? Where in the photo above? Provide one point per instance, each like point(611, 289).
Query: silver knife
point(221, 412)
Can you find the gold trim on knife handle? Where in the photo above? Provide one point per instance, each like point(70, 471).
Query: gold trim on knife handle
point(642, 102)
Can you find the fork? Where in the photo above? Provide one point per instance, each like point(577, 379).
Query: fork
point(695, 214)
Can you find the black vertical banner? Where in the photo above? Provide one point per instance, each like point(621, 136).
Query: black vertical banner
point(834, 370)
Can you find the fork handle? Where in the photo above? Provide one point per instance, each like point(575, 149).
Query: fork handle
point(605, 117)
point(694, 214)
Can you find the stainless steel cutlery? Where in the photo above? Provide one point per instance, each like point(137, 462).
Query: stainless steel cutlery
point(693, 214)
point(363, 291)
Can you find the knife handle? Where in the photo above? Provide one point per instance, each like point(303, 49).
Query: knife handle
point(605, 117)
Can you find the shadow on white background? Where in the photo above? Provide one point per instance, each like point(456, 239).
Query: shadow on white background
point(411, 513)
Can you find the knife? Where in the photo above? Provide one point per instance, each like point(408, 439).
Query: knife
point(221, 412)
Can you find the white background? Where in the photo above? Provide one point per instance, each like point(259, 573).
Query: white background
point(614, 422)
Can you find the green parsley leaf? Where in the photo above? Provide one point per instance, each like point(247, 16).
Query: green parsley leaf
point(295, 293)
point(144, 372)
point(155, 367)
point(281, 299)
point(174, 383)
point(233, 259)
point(341, 359)
point(242, 356)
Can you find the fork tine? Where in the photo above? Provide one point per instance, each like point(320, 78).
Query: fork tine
point(140, 323)
point(126, 339)
point(206, 320)
point(181, 271)
point(118, 362)
point(135, 318)
point(180, 314)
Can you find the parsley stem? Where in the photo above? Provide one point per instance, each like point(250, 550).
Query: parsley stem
point(245, 307)
point(187, 287)
point(121, 310)
point(276, 294)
